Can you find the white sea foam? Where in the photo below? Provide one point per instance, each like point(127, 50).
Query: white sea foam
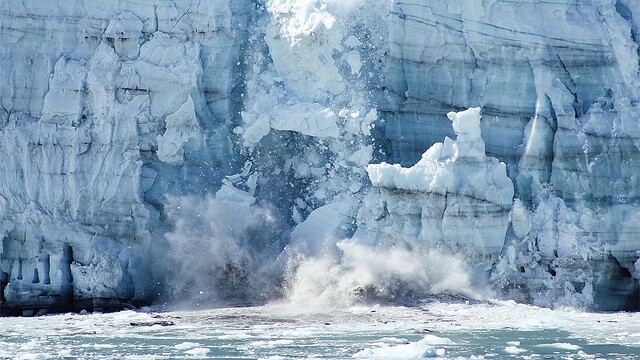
point(361, 272)
point(362, 331)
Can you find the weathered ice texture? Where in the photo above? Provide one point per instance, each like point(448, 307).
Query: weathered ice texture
point(454, 197)
point(558, 85)
point(135, 134)
point(106, 108)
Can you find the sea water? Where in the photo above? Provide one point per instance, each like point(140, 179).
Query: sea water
point(445, 330)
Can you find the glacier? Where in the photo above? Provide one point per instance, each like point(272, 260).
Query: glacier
point(187, 151)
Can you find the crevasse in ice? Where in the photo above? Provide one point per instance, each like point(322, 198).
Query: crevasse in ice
point(134, 135)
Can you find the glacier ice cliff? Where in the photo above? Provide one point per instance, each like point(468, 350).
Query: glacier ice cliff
point(454, 195)
point(178, 149)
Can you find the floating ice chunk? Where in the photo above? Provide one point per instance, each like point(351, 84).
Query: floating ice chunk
point(563, 346)
point(35, 356)
point(393, 340)
point(583, 355)
point(272, 343)
point(435, 340)
point(198, 352)
point(186, 345)
point(416, 350)
point(514, 350)
point(408, 351)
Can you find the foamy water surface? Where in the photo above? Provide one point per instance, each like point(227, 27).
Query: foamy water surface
point(484, 330)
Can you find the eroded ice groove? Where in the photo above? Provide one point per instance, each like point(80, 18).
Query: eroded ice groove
point(114, 115)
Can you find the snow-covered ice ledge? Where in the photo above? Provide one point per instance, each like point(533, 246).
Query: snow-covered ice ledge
point(455, 197)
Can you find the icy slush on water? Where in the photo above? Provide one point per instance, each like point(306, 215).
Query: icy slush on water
point(446, 330)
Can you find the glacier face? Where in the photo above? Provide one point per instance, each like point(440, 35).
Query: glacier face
point(106, 110)
point(454, 195)
point(559, 93)
point(175, 147)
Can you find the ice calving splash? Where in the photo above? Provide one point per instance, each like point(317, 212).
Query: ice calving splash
point(220, 249)
point(306, 89)
point(107, 121)
point(360, 273)
point(305, 133)
point(225, 249)
point(322, 266)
